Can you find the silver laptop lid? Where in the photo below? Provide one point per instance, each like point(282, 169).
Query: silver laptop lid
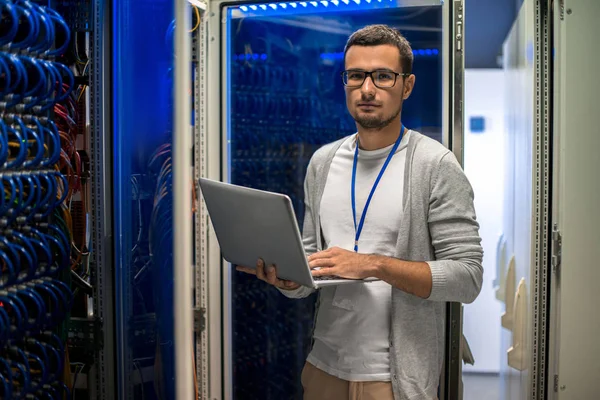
point(252, 224)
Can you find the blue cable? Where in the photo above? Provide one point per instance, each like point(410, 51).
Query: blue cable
point(2, 201)
point(7, 393)
point(20, 277)
point(38, 192)
point(23, 77)
point(19, 202)
point(57, 357)
point(52, 193)
point(13, 194)
point(7, 74)
point(4, 325)
point(60, 347)
point(18, 318)
point(12, 32)
point(22, 155)
point(50, 396)
point(54, 138)
point(32, 190)
point(14, 179)
point(54, 305)
point(35, 19)
point(58, 19)
point(9, 263)
point(9, 374)
point(63, 196)
point(26, 379)
point(39, 142)
point(44, 371)
point(71, 82)
point(50, 81)
point(66, 290)
point(50, 190)
point(51, 127)
point(31, 35)
point(45, 249)
point(39, 302)
point(26, 243)
point(3, 144)
point(35, 342)
point(63, 310)
point(15, 73)
point(66, 295)
point(34, 194)
point(40, 77)
point(54, 82)
point(48, 39)
point(59, 259)
point(24, 311)
point(27, 387)
point(66, 390)
point(66, 244)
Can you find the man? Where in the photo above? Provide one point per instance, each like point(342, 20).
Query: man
point(384, 339)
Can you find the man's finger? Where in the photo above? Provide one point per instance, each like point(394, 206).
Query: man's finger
point(324, 272)
point(321, 263)
point(318, 256)
point(246, 270)
point(260, 270)
point(271, 274)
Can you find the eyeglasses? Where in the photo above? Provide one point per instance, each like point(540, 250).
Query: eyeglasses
point(382, 78)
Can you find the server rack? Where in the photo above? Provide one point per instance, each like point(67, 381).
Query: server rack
point(88, 206)
point(265, 132)
point(49, 335)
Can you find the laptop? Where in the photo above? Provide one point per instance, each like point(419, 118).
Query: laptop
point(252, 224)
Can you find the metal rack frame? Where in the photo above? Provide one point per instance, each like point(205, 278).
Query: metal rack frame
point(201, 295)
point(542, 229)
point(101, 199)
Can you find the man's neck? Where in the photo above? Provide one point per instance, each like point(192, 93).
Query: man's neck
point(373, 139)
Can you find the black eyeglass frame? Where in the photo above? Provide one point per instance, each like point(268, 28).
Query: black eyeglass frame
point(369, 74)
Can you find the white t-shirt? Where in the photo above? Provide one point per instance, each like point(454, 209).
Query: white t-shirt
point(351, 338)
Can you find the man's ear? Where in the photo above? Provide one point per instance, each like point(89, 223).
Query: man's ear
point(409, 84)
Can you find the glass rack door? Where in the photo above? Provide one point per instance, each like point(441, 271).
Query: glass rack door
point(147, 185)
point(283, 99)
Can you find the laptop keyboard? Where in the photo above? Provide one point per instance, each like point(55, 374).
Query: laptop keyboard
point(326, 278)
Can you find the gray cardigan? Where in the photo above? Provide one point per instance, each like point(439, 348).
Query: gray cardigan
point(439, 226)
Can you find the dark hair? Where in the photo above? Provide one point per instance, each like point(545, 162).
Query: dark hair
point(375, 35)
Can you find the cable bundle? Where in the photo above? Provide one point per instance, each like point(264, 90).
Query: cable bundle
point(35, 231)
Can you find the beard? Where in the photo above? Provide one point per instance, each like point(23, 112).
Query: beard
point(375, 122)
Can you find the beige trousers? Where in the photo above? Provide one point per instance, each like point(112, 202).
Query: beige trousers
point(319, 385)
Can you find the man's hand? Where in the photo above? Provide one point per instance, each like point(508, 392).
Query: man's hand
point(269, 275)
point(342, 263)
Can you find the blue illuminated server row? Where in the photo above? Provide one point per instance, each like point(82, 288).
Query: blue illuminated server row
point(37, 177)
point(286, 100)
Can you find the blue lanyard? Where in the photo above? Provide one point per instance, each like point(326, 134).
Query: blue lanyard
point(364, 213)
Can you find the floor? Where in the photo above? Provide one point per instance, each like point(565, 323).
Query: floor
point(481, 387)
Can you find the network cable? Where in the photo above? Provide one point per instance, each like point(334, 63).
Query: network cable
point(40, 170)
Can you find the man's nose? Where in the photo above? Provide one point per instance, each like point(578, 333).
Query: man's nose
point(368, 87)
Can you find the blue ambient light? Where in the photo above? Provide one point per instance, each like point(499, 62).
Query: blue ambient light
point(309, 6)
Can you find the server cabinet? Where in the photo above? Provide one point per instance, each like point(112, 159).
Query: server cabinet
point(152, 197)
point(273, 96)
point(573, 362)
point(525, 267)
point(97, 200)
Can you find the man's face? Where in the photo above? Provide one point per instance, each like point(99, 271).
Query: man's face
point(370, 106)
